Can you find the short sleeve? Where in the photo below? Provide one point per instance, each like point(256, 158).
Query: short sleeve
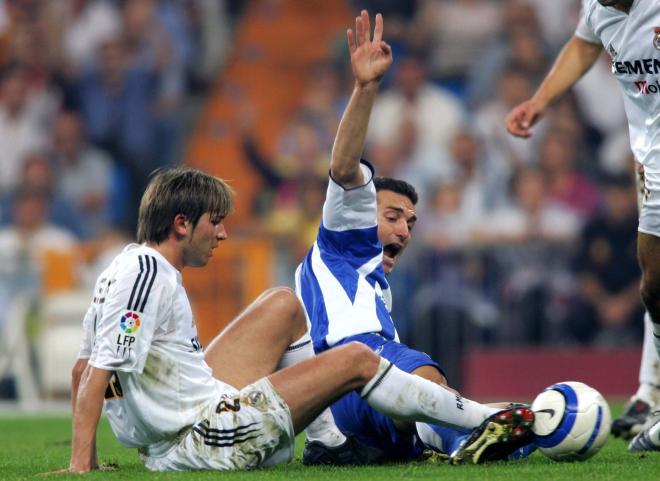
point(584, 30)
point(355, 208)
point(136, 304)
point(88, 334)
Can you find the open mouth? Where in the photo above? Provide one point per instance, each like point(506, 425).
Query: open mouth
point(392, 250)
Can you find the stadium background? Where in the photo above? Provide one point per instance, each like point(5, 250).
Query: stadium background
point(523, 258)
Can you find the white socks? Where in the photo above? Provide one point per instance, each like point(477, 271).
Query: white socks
point(299, 351)
point(649, 369)
point(656, 337)
point(412, 398)
point(323, 428)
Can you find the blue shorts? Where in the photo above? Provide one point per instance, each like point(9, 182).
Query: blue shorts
point(353, 415)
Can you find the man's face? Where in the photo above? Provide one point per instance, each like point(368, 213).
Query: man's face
point(396, 218)
point(202, 239)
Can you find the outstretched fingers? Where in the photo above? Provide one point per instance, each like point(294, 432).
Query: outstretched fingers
point(378, 29)
point(350, 36)
point(362, 34)
point(366, 25)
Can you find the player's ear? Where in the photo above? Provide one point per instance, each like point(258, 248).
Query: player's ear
point(180, 225)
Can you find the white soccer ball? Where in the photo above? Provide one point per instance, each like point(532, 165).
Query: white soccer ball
point(572, 421)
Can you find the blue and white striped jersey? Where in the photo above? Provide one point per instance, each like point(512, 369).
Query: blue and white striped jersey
point(341, 281)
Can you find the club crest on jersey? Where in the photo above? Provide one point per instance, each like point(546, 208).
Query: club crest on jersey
point(130, 322)
point(656, 38)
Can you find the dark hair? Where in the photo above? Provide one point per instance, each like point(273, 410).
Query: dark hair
point(188, 192)
point(399, 186)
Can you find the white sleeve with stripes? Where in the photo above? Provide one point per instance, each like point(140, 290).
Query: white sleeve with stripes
point(136, 304)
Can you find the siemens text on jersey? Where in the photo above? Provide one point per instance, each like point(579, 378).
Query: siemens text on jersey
point(637, 67)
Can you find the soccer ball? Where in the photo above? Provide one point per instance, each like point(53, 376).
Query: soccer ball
point(572, 421)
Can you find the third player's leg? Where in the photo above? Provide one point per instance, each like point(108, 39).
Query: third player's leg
point(251, 346)
point(648, 246)
point(648, 250)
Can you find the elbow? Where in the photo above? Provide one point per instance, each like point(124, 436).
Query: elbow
point(77, 371)
point(347, 177)
point(342, 177)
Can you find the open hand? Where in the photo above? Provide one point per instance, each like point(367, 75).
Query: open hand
point(370, 59)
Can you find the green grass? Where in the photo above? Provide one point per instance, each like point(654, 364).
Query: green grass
point(31, 445)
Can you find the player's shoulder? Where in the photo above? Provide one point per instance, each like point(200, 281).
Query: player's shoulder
point(589, 5)
point(140, 261)
point(353, 208)
point(588, 9)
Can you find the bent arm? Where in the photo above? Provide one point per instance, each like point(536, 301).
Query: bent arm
point(575, 59)
point(86, 415)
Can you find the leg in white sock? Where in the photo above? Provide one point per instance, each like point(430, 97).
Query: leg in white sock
point(656, 337)
point(649, 369)
point(323, 428)
point(412, 398)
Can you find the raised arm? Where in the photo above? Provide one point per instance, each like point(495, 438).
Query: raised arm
point(370, 59)
point(575, 59)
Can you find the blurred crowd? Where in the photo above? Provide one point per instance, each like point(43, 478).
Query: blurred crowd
point(518, 241)
point(94, 95)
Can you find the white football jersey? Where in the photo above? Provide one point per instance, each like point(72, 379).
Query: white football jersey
point(633, 42)
point(140, 326)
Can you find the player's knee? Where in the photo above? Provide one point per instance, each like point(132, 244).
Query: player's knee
point(281, 298)
point(362, 359)
point(285, 303)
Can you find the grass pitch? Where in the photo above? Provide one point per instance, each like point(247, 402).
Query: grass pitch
point(32, 445)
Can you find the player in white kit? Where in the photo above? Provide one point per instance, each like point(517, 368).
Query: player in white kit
point(629, 31)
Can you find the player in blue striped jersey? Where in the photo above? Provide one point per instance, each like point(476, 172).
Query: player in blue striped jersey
point(366, 226)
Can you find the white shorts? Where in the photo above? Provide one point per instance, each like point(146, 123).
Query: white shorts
point(250, 429)
point(649, 214)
